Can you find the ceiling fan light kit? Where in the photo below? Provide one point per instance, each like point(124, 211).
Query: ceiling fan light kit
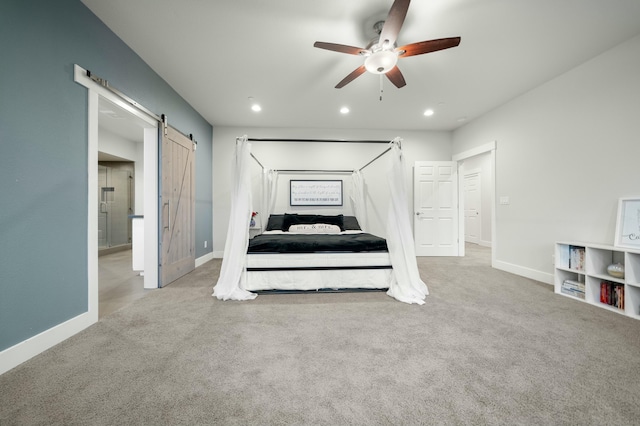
point(381, 62)
point(381, 56)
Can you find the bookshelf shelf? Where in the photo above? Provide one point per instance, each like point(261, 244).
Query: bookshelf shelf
point(581, 273)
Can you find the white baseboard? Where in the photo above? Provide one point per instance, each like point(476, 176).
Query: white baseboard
point(25, 350)
point(524, 272)
point(204, 259)
point(218, 254)
point(484, 243)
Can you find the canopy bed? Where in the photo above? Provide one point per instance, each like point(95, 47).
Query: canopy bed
point(314, 251)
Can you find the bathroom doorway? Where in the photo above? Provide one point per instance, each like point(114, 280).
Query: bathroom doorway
point(120, 186)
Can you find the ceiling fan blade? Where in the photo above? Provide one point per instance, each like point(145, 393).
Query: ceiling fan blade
point(342, 48)
point(348, 79)
point(395, 76)
point(428, 46)
point(394, 21)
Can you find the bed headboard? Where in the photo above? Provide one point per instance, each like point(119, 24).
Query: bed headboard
point(281, 222)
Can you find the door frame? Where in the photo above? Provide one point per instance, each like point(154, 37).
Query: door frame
point(150, 199)
point(490, 148)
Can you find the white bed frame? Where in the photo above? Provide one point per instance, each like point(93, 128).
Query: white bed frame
point(316, 271)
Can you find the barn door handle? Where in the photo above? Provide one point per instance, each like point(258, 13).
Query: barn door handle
point(168, 205)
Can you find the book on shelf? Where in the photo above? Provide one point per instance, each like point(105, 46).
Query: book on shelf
point(576, 258)
point(573, 288)
point(563, 256)
point(612, 294)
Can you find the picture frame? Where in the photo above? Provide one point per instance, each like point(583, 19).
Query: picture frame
point(315, 192)
point(628, 223)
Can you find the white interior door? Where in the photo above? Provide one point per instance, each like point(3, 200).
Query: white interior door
point(436, 208)
point(472, 210)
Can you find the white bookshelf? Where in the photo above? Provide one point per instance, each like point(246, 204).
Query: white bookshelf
point(592, 271)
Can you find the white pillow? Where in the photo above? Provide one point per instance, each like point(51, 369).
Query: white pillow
point(315, 228)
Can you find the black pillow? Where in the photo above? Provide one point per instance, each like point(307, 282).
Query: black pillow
point(307, 219)
point(350, 223)
point(275, 222)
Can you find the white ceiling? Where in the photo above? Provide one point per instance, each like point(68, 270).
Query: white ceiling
point(218, 53)
point(116, 120)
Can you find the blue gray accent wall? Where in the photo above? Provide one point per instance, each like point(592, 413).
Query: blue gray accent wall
point(43, 155)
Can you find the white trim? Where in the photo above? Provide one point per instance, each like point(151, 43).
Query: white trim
point(27, 349)
point(92, 207)
point(543, 277)
point(491, 146)
point(494, 225)
point(80, 77)
point(219, 254)
point(204, 259)
point(484, 243)
point(461, 222)
point(150, 203)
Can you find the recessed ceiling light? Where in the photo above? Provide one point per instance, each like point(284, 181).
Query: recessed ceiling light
point(344, 110)
point(428, 113)
point(254, 105)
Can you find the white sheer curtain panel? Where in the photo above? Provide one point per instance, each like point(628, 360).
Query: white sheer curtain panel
point(358, 199)
point(235, 249)
point(270, 179)
point(264, 199)
point(407, 287)
point(268, 204)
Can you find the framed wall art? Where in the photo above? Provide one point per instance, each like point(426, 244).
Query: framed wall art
point(628, 223)
point(316, 192)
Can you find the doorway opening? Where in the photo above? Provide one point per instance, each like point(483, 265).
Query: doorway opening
point(476, 178)
point(115, 108)
point(120, 163)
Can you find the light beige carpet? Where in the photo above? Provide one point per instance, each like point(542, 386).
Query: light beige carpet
point(488, 347)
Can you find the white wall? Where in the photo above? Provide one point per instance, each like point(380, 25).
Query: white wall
point(417, 146)
point(566, 151)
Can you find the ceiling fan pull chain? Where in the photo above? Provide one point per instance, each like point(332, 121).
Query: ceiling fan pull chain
point(381, 87)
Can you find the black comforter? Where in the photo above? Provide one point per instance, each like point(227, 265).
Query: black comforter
point(312, 243)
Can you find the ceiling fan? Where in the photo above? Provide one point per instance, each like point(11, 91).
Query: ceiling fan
point(381, 54)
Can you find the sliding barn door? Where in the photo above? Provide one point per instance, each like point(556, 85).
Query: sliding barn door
point(177, 212)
